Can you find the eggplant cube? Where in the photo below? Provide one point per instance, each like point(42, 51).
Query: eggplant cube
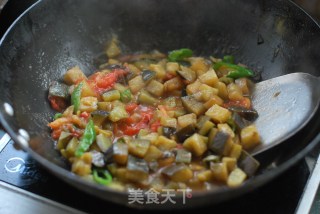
point(136, 84)
point(249, 137)
point(164, 143)
point(219, 171)
point(218, 114)
point(155, 87)
point(138, 147)
point(195, 144)
point(236, 178)
point(248, 163)
point(210, 78)
point(188, 119)
point(88, 104)
point(120, 153)
point(219, 143)
point(178, 173)
point(137, 169)
point(73, 75)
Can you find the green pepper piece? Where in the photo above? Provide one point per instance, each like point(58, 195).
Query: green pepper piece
point(102, 176)
point(87, 139)
point(125, 96)
point(232, 124)
point(235, 72)
point(75, 97)
point(57, 115)
point(177, 55)
point(228, 59)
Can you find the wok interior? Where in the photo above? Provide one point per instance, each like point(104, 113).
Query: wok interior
point(57, 35)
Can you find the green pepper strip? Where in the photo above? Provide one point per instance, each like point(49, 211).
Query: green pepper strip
point(75, 97)
point(105, 179)
point(235, 72)
point(177, 55)
point(87, 139)
point(228, 59)
point(125, 96)
point(57, 115)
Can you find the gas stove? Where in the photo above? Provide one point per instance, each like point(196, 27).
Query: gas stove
point(25, 187)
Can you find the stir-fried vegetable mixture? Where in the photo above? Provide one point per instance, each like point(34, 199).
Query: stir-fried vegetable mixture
point(156, 120)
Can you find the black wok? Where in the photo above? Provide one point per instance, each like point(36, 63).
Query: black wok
point(272, 37)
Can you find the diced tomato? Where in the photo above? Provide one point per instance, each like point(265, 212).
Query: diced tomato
point(168, 76)
point(130, 130)
point(179, 146)
point(102, 82)
point(130, 121)
point(154, 126)
point(56, 134)
point(139, 119)
point(244, 103)
point(57, 103)
point(131, 107)
point(84, 115)
point(106, 81)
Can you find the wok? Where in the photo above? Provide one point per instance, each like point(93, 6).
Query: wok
point(272, 37)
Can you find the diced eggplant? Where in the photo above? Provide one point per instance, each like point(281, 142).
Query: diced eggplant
point(57, 89)
point(168, 131)
point(72, 147)
point(99, 116)
point(103, 142)
point(148, 75)
point(153, 154)
point(187, 119)
point(248, 114)
point(146, 98)
point(219, 171)
point(196, 144)
point(111, 95)
point(108, 155)
point(239, 121)
point(120, 153)
point(185, 132)
point(219, 142)
point(153, 166)
point(63, 140)
point(248, 163)
point(183, 156)
point(204, 125)
point(137, 164)
point(178, 172)
point(212, 158)
point(164, 143)
point(155, 87)
point(202, 120)
point(192, 105)
point(118, 113)
point(250, 137)
point(97, 158)
point(184, 63)
point(218, 114)
point(169, 122)
point(138, 147)
point(113, 66)
point(236, 178)
point(170, 170)
point(187, 74)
